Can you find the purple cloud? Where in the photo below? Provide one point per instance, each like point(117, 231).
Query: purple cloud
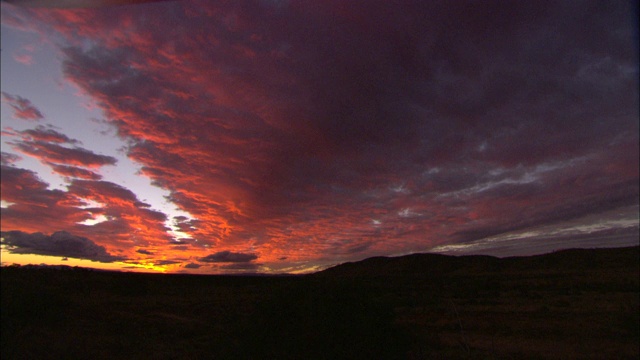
point(229, 257)
point(54, 153)
point(9, 159)
point(46, 134)
point(22, 108)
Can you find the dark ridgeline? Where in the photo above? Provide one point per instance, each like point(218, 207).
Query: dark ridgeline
point(568, 304)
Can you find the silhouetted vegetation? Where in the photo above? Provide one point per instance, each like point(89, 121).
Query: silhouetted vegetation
point(569, 304)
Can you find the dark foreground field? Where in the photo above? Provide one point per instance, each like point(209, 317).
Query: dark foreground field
point(570, 304)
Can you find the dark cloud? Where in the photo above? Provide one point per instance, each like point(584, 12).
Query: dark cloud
point(54, 153)
point(144, 252)
point(229, 257)
point(181, 241)
point(75, 4)
point(75, 172)
point(165, 262)
point(45, 134)
point(60, 243)
point(240, 266)
point(45, 144)
point(555, 236)
point(192, 266)
point(8, 158)
point(22, 108)
point(357, 248)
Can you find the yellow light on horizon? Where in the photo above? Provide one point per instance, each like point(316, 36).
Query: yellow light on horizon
point(9, 258)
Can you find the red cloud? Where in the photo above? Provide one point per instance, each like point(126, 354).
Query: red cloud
point(43, 144)
point(22, 108)
point(128, 216)
point(36, 208)
point(24, 59)
point(75, 172)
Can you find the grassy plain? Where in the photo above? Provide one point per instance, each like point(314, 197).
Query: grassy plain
point(575, 304)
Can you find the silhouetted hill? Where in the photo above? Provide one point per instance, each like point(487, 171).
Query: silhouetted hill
point(438, 264)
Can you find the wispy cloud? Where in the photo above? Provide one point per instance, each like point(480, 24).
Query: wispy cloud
point(8, 159)
point(24, 59)
point(22, 108)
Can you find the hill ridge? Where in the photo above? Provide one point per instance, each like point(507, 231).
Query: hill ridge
point(421, 262)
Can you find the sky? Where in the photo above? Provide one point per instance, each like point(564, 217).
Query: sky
point(289, 136)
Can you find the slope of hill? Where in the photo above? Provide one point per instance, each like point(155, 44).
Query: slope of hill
point(437, 264)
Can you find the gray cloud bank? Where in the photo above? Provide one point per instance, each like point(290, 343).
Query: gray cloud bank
point(60, 243)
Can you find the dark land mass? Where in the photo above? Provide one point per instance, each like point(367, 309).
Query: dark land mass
point(566, 305)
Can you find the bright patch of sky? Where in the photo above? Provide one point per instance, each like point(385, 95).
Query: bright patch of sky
point(9, 258)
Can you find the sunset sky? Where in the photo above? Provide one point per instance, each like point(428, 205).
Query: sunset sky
point(288, 136)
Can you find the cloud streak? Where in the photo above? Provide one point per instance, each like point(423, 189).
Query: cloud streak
point(228, 257)
point(54, 153)
point(74, 172)
point(60, 243)
point(22, 108)
point(43, 134)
